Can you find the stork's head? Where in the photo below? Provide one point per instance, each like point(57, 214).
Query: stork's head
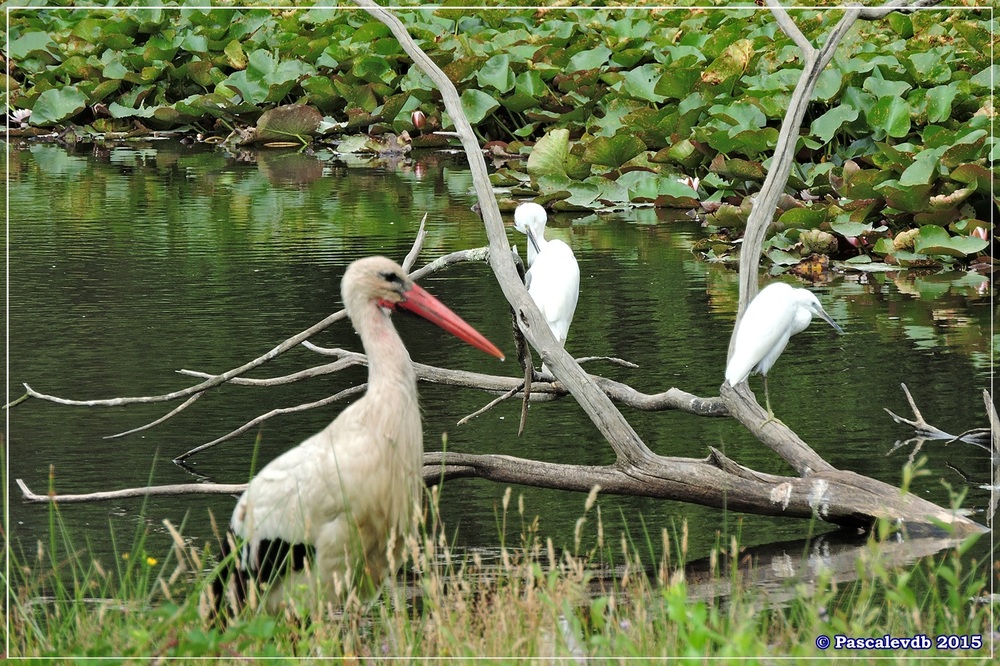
point(383, 282)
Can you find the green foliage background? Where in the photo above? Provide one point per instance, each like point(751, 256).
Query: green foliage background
point(613, 105)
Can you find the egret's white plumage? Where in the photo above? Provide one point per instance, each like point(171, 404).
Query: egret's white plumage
point(334, 510)
point(778, 312)
point(553, 277)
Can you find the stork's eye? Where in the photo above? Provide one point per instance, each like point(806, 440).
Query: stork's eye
point(392, 278)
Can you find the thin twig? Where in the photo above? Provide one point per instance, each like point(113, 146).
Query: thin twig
point(924, 429)
point(206, 385)
point(490, 405)
point(610, 359)
point(308, 373)
point(346, 393)
point(148, 491)
point(418, 243)
point(179, 408)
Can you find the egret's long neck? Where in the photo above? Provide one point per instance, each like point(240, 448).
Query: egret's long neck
point(538, 233)
point(390, 372)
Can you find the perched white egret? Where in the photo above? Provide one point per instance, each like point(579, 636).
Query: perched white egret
point(329, 516)
point(778, 312)
point(553, 277)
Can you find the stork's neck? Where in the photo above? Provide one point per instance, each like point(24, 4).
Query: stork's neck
point(390, 371)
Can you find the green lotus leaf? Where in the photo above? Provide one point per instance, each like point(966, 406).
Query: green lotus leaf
point(827, 125)
point(321, 92)
point(939, 101)
point(518, 102)
point(462, 68)
point(733, 62)
point(372, 69)
point(56, 105)
point(828, 84)
point(928, 67)
point(884, 246)
point(118, 111)
point(477, 105)
point(976, 176)
point(782, 258)
point(548, 157)
point(891, 115)
point(900, 24)
point(288, 122)
point(613, 151)
point(848, 229)
point(913, 199)
point(33, 44)
point(235, 55)
point(496, 73)
point(934, 240)
point(969, 148)
point(530, 83)
point(943, 216)
point(641, 83)
point(984, 79)
point(922, 171)
point(589, 59)
point(807, 217)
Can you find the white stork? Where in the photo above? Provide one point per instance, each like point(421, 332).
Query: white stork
point(553, 277)
point(329, 516)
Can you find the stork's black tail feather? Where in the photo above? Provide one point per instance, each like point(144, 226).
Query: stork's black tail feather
point(231, 576)
point(274, 557)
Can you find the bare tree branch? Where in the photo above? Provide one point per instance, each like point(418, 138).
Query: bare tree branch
point(148, 491)
point(418, 243)
point(173, 412)
point(837, 496)
point(346, 393)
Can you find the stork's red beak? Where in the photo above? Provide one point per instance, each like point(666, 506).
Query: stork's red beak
point(419, 302)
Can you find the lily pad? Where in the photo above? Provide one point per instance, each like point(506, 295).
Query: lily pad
point(848, 229)
point(477, 105)
point(496, 73)
point(934, 240)
point(56, 105)
point(613, 152)
point(826, 126)
point(292, 121)
point(969, 148)
point(913, 199)
point(808, 217)
point(733, 62)
point(891, 115)
point(549, 154)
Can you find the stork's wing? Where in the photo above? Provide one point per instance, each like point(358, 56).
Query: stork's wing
point(291, 498)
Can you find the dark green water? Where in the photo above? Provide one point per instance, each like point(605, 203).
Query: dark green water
point(128, 264)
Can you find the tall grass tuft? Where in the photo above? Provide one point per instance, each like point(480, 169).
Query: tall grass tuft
point(623, 595)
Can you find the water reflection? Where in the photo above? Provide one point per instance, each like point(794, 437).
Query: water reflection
point(130, 263)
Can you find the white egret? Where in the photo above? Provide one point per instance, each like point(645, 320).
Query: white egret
point(778, 312)
point(553, 277)
point(329, 516)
